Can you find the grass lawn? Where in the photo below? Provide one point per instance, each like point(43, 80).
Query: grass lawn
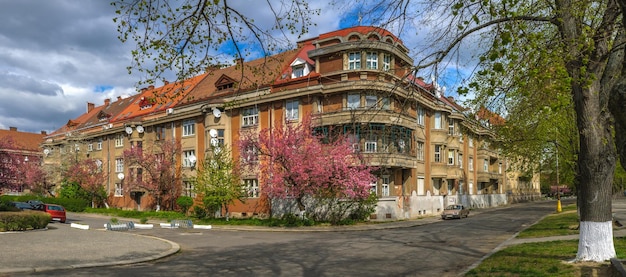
point(546, 258)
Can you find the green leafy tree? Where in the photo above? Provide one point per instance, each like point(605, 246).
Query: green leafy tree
point(184, 202)
point(218, 181)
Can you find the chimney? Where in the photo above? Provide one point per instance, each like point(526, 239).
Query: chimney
point(13, 128)
point(151, 87)
point(165, 82)
point(119, 98)
point(90, 106)
point(44, 132)
point(107, 101)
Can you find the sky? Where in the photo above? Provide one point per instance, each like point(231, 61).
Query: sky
point(57, 55)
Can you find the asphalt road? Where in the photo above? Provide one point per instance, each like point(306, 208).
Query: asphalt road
point(440, 248)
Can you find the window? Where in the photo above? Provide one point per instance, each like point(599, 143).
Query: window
point(370, 101)
point(189, 128)
point(119, 165)
point(450, 126)
point(471, 141)
point(470, 187)
point(297, 71)
point(371, 61)
point(187, 162)
point(460, 137)
point(385, 103)
point(216, 141)
point(420, 115)
point(370, 146)
point(354, 101)
point(450, 157)
point(385, 186)
point(486, 165)
point(354, 60)
point(250, 116)
point(437, 153)
point(119, 140)
point(251, 154)
point(119, 191)
point(374, 188)
point(386, 62)
point(470, 163)
point(99, 145)
point(420, 150)
point(160, 132)
point(499, 168)
point(438, 122)
point(291, 109)
point(420, 185)
point(189, 189)
point(90, 147)
point(460, 160)
point(252, 186)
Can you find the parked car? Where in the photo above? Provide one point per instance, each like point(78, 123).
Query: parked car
point(37, 205)
point(22, 205)
point(454, 211)
point(56, 211)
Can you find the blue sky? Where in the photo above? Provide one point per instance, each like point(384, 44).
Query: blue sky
point(57, 55)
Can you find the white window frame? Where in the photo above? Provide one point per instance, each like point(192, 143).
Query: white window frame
point(471, 141)
point(186, 155)
point(374, 188)
point(354, 60)
point(252, 188)
point(297, 71)
point(119, 165)
point(291, 110)
point(499, 168)
point(250, 116)
point(420, 185)
point(370, 147)
point(89, 147)
point(450, 126)
point(99, 145)
point(371, 60)
point(421, 114)
point(189, 128)
point(119, 140)
point(470, 163)
point(189, 189)
point(486, 165)
point(420, 150)
point(119, 190)
point(460, 160)
point(385, 186)
point(437, 152)
point(450, 157)
point(438, 123)
point(386, 62)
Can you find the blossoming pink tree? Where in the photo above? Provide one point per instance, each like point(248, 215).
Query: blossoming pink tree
point(9, 164)
point(88, 174)
point(294, 163)
point(153, 169)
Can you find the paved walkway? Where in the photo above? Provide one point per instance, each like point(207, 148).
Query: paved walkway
point(67, 247)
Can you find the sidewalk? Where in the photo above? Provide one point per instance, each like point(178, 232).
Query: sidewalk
point(67, 248)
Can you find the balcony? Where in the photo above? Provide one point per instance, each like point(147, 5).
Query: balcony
point(486, 177)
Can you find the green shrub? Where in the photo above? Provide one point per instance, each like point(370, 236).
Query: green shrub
point(114, 220)
point(23, 220)
point(143, 220)
point(199, 212)
point(184, 202)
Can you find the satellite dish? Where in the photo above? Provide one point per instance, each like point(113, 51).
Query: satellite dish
point(215, 142)
point(213, 133)
point(129, 130)
point(139, 129)
point(99, 163)
point(46, 151)
point(120, 176)
point(217, 113)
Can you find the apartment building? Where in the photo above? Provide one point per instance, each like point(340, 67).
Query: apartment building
point(428, 150)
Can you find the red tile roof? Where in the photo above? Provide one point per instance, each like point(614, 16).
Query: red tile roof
point(23, 140)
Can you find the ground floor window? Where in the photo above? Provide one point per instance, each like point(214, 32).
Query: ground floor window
point(189, 189)
point(252, 186)
point(119, 191)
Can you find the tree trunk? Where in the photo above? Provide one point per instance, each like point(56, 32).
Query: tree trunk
point(596, 165)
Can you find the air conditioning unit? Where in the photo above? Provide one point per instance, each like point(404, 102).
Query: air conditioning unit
point(169, 111)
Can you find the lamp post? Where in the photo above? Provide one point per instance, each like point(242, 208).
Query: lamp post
point(558, 184)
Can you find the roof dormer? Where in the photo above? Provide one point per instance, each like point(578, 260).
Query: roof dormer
point(225, 83)
point(300, 68)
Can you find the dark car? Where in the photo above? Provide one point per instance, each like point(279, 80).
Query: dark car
point(454, 211)
point(57, 212)
point(22, 205)
point(36, 204)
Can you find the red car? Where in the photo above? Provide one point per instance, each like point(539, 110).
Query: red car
point(57, 212)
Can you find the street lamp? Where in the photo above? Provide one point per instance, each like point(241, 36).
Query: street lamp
point(558, 184)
